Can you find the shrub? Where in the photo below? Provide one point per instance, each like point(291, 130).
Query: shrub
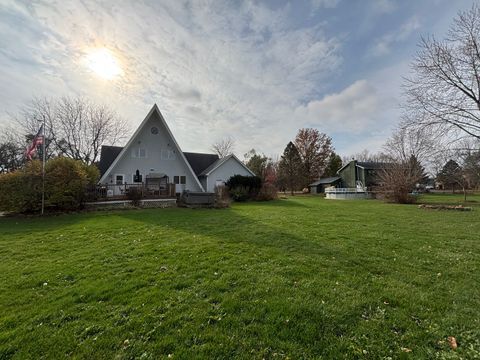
point(222, 198)
point(243, 188)
point(65, 183)
point(239, 193)
point(21, 190)
point(93, 174)
point(135, 195)
point(267, 192)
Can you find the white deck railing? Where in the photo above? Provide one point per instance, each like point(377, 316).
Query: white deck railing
point(344, 190)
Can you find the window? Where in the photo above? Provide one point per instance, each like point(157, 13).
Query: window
point(139, 153)
point(119, 179)
point(168, 155)
point(180, 179)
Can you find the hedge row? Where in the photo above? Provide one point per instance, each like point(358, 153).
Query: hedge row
point(65, 183)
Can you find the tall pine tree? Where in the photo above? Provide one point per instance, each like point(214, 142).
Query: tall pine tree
point(333, 165)
point(291, 174)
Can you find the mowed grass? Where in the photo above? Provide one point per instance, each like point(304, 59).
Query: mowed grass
point(302, 277)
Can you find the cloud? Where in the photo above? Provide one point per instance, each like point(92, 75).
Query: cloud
point(190, 94)
point(215, 68)
point(328, 4)
point(354, 109)
point(384, 44)
point(383, 6)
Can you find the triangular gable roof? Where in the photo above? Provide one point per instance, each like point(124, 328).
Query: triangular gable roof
point(162, 119)
point(219, 162)
point(368, 165)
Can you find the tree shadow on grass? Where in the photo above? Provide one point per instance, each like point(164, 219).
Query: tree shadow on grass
point(10, 225)
point(236, 225)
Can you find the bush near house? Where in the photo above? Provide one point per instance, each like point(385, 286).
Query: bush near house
point(65, 183)
point(243, 188)
point(267, 192)
point(135, 196)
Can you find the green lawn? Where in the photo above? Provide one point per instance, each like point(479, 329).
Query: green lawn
point(297, 278)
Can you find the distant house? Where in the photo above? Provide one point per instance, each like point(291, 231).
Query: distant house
point(153, 157)
point(353, 175)
point(360, 173)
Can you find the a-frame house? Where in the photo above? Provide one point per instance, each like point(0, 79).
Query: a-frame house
point(153, 156)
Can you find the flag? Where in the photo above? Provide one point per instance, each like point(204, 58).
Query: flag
point(37, 140)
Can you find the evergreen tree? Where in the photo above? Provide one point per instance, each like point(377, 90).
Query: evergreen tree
point(257, 162)
point(291, 171)
point(472, 169)
point(417, 170)
point(333, 165)
point(450, 175)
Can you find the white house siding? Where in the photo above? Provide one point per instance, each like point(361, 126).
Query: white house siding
point(224, 172)
point(157, 147)
point(203, 181)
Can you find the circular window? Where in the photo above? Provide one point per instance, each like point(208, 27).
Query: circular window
point(154, 130)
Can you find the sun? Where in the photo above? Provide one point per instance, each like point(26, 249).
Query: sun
point(103, 63)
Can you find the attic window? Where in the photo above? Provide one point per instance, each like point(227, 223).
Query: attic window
point(139, 153)
point(154, 130)
point(168, 154)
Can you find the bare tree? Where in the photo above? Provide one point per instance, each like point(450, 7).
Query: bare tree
point(76, 128)
point(223, 147)
point(12, 150)
point(364, 155)
point(444, 89)
point(404, 152)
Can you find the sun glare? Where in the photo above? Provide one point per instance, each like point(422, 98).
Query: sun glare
point(103, 63)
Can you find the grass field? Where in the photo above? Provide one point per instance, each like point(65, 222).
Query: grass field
point(296, 278)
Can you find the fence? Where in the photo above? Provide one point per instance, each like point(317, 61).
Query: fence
point(105, 192)
point(344, 190)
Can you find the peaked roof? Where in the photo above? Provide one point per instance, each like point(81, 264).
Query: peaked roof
point(219, 162)
point(199, 162)
point(368, 165)
point(164, 123)
point(328, 180)
point(107, 155)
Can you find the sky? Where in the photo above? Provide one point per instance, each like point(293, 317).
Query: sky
point(254, 71)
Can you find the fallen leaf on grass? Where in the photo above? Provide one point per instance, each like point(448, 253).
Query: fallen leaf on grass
point(452, 342)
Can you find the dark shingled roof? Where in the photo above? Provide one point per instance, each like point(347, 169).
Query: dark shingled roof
point(107, 155)
point(198, 162)
point(329, 180)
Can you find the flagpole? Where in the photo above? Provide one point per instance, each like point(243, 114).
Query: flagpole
point(43, 166)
